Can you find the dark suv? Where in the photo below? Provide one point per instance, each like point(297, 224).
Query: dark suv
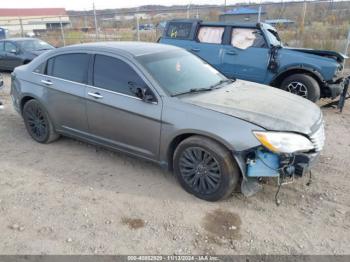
point(255, 52)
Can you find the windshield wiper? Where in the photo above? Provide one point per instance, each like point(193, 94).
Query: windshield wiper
point(204, 89)
point(194, 90)
point(215, 86)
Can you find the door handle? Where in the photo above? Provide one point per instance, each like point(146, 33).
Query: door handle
point(231, 53)
point(195, 49)
point(47, 82)
point(95, 95)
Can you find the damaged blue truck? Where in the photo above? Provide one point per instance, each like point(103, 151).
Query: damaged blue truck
point(254, 52)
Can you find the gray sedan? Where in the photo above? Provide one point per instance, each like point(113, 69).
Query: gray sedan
point(164, 104)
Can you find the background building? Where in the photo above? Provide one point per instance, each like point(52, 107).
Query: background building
point(242, 14)
point(31, 20)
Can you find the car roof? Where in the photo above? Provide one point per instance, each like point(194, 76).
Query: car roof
point(132, 48)
point(243, 24)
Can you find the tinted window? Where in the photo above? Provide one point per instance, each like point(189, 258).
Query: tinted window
point(115, 75)
point(210, 34)
point(71, 67)
point(10, 47)
point(179, 30)
point(1, 46)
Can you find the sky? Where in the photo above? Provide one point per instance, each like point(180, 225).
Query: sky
point(102, 4)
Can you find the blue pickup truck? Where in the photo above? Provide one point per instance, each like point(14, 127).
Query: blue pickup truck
point(254, 52)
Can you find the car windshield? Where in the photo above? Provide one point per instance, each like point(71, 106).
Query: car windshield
point(180, 72)
point(274, 37)
point(34, 45)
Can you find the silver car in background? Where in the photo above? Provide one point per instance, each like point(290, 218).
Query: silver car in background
point(164, 104)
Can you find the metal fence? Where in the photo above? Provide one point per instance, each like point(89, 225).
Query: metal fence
point(314, 24)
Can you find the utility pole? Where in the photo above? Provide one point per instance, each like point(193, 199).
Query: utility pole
point(96, 26)
point(138, 27)
point(188, 9)
point(259, 14)
point(21, 25)
point(85, 20)
point(303, 17)
point(62, 32)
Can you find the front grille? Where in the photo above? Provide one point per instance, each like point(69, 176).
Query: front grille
point(318, 138)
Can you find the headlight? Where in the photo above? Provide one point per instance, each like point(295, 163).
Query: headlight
point(283, 142)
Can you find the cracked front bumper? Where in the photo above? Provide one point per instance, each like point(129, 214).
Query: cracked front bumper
point(334, 88)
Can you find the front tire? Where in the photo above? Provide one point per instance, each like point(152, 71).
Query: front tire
point(205, 168)
point(38, 123)
point(303, 85)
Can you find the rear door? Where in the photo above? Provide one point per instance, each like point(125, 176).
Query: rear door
point(208, 45)
point(246, 55)
point(65, 78)
point(117, 117)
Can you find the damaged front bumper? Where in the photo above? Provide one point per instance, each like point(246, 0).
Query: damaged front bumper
point(259, 163)
point(334, 88)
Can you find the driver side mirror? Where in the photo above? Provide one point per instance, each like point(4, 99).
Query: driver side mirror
point(13, 51)
point(143, 93)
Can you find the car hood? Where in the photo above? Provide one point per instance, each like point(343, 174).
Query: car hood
point(339, 57)
point(265, 106)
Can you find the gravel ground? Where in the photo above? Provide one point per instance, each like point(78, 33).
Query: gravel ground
point(72, 198)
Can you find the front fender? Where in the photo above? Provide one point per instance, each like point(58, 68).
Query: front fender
point(314, 71)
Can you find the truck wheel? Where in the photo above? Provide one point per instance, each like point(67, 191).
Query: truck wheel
point(205, 168)
point(38, 123)
point(302, 85)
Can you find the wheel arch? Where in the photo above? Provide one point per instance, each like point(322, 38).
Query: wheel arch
point(24, 100)
point(181, 137)
point(277, 81)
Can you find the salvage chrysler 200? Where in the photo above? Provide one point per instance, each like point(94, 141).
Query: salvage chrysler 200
point(166, 105)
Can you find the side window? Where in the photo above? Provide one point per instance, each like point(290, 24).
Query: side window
point(2, 49)
point(244, 38)
point(115, 75)
point(210, 34)
point(73, 67)
point(9, 47)
point(179, 30)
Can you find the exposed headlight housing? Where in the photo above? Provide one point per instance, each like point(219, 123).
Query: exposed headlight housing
point(284, 142)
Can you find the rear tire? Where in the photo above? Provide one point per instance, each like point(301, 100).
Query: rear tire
point(303, 85)
point(205, 168)
point(38, 123)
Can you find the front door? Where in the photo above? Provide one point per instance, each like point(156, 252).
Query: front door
point(116, 116)
point(246, 56)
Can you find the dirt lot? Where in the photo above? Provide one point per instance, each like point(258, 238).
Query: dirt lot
point(71, 198)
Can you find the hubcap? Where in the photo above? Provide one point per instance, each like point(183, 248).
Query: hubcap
point(200, 170)
point(297, 88)
point(36, 122)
